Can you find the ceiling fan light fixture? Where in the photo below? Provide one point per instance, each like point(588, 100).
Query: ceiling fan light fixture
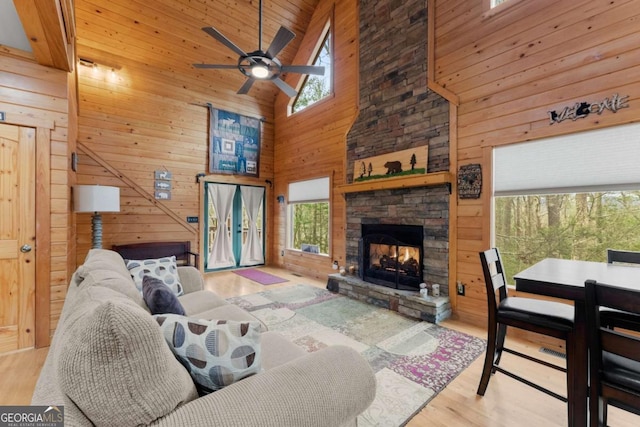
point(260, 71)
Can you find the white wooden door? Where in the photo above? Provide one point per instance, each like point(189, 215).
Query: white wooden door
point(17, 237)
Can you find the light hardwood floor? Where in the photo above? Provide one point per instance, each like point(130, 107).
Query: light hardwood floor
point(506, 403)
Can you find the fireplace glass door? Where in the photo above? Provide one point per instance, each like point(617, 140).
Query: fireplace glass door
point(394, 260)
point(389, 261)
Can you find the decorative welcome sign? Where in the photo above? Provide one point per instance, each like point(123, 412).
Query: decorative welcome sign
point(580, 110)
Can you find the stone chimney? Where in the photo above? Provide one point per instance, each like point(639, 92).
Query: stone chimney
point(398, 112)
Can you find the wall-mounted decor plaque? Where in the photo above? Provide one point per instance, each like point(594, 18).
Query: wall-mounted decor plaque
point(470, 181)
point(398, 163)
point(162, 185)
point(163, 195)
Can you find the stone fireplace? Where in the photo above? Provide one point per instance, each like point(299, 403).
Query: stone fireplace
point(398, 112)
point(424, 207)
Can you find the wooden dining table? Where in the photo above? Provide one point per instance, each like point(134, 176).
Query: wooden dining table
point(562, 278)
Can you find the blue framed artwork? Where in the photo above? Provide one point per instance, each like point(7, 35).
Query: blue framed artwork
point(234, 143)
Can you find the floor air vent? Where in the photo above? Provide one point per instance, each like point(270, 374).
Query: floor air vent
point(553, 352)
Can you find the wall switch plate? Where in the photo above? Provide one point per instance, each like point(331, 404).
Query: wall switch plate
point(192, 219)
point(460, 287)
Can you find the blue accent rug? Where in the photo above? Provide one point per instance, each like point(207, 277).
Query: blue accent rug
point(413, 360)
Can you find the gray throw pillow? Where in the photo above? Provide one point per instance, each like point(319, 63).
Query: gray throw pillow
point(159, 297)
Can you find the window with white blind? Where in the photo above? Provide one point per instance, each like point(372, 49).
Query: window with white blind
point(570, 196)
point(308, 216)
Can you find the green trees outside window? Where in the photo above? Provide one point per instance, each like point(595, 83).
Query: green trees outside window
point(315, 87)
point(569, 226)
point(310, 227)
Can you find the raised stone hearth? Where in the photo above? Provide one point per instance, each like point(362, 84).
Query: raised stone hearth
point(409, 303)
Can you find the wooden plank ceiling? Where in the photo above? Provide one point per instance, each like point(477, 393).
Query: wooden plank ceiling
point(166, 35)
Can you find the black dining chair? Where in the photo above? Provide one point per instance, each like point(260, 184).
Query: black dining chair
point(621, 256)
point(544, 317)
point(614, 354)
point(615, 318)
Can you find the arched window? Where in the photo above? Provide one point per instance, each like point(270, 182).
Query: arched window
point(314, 88)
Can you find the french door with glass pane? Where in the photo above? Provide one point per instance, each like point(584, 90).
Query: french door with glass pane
point(234, 226)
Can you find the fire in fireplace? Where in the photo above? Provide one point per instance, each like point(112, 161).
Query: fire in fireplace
point(391, 255)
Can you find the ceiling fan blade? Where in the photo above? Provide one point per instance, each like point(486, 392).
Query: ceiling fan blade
point(282, 38)
point(291, 92)
point(245, 87)
point(303, 69)
point(216, 66)
point(222, 39)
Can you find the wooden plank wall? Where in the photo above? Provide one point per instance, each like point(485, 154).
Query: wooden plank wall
point(37, 96)
point(509, 68)
point(312, 143)
point(135, 127)
point(149, 113)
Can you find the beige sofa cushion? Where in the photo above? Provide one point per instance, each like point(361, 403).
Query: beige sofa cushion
point(114, 281)
point(103, 259)
point(199, 301)
point(115, 365)
point(230, 312)
point(191, 279)
point(278, 350)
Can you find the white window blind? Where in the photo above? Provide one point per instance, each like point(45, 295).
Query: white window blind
point(597, 160)
point(310, 190)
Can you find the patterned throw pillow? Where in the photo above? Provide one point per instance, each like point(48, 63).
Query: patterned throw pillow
point(164, 269)
point(159, 298)
point(216, 353)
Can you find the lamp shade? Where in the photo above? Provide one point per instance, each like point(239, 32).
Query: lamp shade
point(96, 198)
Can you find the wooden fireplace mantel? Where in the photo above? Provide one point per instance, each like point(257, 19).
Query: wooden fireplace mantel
point(424, 180)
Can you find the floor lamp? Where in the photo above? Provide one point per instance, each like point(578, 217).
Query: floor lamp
point(96, 199)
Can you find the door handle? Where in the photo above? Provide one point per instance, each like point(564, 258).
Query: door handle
point(25, 248)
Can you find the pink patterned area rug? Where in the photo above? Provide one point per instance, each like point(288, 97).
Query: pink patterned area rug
point(260, 276)
point(413, 360)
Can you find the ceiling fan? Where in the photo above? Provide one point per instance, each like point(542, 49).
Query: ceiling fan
point(261, 65)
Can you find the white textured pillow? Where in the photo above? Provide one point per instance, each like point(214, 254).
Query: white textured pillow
point(164, 269)
point(216, 353)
